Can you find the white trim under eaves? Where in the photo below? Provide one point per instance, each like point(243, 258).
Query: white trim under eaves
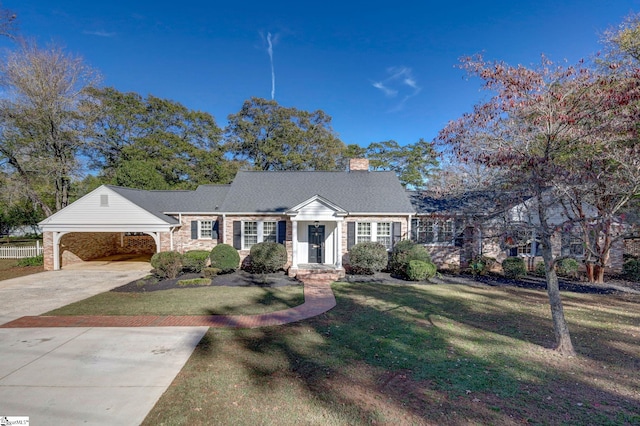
point(381, 214)
point(194, 213)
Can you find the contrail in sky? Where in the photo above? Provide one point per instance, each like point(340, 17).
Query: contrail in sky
point(273, 73)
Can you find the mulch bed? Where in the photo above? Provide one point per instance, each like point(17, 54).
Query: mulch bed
point(235, 279)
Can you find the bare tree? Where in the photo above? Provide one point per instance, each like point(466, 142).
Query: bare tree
point(40, 124)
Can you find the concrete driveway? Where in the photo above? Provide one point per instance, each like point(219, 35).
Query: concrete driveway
point(83, 375)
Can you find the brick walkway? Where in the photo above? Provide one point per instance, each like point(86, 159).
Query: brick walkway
point(318, 298)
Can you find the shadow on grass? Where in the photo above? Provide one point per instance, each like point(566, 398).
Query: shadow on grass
point(394, 354)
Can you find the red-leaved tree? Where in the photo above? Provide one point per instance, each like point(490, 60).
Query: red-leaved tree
point(555, 131)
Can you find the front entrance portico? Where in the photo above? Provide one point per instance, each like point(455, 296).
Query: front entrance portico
point(316, 234)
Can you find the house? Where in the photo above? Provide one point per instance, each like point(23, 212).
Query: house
point(317, 215)
point(456, 229)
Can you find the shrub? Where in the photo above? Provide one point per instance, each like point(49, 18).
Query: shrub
point(368, 257)
point(211, 272)
point(195, 260)
point(631, 269)
point(194, 282)
point(31, 261)
point(480, 265)
point(167, 264)
point(567, 267)
point(514, 267)
point(418, 270)
point(267, 257)
point(225, 258)
point(539, 270)
point(405, 251)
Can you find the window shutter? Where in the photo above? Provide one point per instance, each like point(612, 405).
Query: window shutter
point(214, 230)
point(415, 223)
point(351, 235)
point(458, 239)
point(396, 233)
point(194, 229)
point(237, 234)
point(282, 231)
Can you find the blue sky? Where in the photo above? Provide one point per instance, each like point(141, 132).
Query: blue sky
point(382, 70)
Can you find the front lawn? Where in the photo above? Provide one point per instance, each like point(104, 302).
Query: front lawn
point(9, 269)
point(208, 300)
point(419, 354)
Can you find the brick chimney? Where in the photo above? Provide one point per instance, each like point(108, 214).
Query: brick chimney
point(358, 164)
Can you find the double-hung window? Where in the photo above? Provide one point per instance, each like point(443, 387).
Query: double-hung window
point(383, 234)
point(205, 229)
point(254, 232)
point(374, 231)
point(270, 232)
point(435, 231)
point(363, 232)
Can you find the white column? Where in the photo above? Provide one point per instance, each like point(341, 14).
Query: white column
point(56, 250)
point(294, 244)
point(338, 245)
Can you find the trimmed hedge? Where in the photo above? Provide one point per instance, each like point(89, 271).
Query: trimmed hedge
point(195, 260)
point(418, 270)
point(514, 267)
point(368, 257)
point(167, 264)
point(404, 252)
point(267, 257)
point(225, 258)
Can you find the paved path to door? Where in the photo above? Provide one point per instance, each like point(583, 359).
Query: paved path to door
point(318, 298)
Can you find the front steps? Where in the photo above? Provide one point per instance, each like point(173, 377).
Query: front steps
point(321, 274)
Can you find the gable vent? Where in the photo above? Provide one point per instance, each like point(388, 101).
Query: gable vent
point(104, 200)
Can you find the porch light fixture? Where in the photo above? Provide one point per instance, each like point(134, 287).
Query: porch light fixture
point(316, 224)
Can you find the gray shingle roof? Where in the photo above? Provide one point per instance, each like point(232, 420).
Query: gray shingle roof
point(203, 200)
point(355, 192)
point(475, 203)
point(277, 192)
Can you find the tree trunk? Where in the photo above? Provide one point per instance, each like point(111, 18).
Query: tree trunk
point(563, 339)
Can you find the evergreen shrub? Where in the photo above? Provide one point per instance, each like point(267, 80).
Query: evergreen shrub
point(417, 270)
point(405, 251)
point(195, 260)
point(225, 258)
point(368, 257)
point(267, 257)
point(167, 264)
point(514, 267)
point(631, 269)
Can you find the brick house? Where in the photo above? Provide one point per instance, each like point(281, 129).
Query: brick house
point(497, 225)
point(317, 215)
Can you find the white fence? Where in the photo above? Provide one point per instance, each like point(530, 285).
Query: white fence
point(9, 252)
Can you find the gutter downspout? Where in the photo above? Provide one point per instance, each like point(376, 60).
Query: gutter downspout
point(221, 231)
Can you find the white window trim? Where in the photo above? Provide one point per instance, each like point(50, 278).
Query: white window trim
point(374, 232)
point(259, 230)
point(438, 221)
point(200, 237)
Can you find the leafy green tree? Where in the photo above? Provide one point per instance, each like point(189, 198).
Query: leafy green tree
point(412, 163)
point(272, 137)
point(154, 143)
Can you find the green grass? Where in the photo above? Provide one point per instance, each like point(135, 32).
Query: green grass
point(188, 301)
point(194, 282)
point(419, 354)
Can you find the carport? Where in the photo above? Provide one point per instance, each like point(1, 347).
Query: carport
point(108, 223)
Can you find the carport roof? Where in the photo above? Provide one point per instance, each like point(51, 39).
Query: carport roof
point(205, 199)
